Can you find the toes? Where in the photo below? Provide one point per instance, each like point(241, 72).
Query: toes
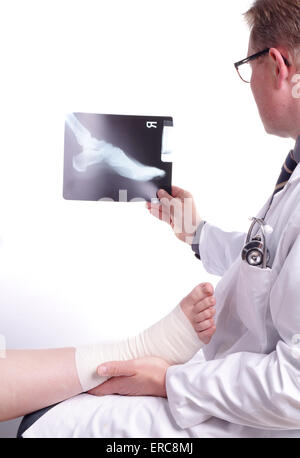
point(205, 315)
point(198, 298)
point(207, 288)
point(204, 325)
point(201, 291)
point(204, 304)
point(205, 336)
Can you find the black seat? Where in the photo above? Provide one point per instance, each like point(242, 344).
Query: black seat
point(30, 419)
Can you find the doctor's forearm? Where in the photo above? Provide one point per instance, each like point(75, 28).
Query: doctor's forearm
point(33, 379)
point(249, 389)
point(216, 248)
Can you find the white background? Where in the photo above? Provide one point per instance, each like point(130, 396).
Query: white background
point(78, 272)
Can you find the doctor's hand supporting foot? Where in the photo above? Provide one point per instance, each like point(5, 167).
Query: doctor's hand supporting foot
point(137, 377)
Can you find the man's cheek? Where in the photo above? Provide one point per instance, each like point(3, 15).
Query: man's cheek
point(296, 87)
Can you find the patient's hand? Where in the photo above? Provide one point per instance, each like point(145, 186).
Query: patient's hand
point(198, 306)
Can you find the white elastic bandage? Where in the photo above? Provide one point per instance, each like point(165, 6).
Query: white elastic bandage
point(173, 339)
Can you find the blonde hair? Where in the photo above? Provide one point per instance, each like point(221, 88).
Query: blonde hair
point(274, 23)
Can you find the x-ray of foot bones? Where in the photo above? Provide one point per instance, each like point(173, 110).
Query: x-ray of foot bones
point(95, 151)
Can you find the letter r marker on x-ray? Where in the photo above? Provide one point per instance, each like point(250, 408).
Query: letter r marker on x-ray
point(151, 125)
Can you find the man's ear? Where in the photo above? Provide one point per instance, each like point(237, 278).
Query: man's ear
point(279, 67)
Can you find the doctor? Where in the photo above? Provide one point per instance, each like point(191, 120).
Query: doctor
point(249, 383)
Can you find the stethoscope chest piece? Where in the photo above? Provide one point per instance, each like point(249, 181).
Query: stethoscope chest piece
point(255, 252)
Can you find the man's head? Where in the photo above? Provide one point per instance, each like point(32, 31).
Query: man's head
point(275, 24)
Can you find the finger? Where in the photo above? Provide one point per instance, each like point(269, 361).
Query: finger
point(104, 389)
point(155, 209)
point(114, 385)
point(169, 207)
point(206, 315)
point(160, 206)
point(166, 208)
point(157, 212)
point(179, 192)
point(161, 214)
point(150, 205)
point(117, 368)
point(205, 336)
point(203, 304)
point(162, 194)
point(204, 325)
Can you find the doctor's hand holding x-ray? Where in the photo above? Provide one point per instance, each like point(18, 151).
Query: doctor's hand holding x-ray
point(179, 211)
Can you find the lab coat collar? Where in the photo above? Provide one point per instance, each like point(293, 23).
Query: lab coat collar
point(295, 176)
point(297, 150)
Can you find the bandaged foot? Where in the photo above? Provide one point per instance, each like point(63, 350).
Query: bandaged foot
point(174, 338)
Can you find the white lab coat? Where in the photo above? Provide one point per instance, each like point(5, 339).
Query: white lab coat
point(249, 383)
point(251, 376)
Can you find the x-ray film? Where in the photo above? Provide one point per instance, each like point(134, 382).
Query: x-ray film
point(116, 157)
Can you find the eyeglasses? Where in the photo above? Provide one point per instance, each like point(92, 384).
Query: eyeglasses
point(244, 68)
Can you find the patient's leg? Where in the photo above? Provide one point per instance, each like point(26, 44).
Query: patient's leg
point(173, 338)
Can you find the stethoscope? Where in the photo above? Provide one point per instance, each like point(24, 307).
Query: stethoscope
point(255, 251)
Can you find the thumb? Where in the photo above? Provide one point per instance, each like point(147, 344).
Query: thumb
point(179, 192)
point(116, 369)
point(176, 191)
point(162, 193)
